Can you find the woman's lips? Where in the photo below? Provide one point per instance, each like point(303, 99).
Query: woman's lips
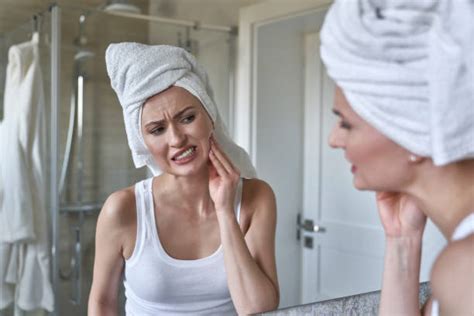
point(186, 157)
point(353, 169)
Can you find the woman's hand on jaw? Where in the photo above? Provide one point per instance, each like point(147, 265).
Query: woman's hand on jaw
point(400, 216)
point(223, 179)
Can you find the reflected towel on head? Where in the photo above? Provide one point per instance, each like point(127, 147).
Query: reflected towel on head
point(138, 72)
point(407, 68)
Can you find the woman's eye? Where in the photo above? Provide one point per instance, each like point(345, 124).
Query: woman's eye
point(157, 131)
point(188, 119)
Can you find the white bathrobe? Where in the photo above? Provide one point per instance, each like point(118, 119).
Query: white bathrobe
point(24, 246)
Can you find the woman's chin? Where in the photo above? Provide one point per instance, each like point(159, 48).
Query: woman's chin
point(189, 170)
point(361, 185)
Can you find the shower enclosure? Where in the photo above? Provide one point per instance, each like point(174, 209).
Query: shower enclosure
point(88, 156)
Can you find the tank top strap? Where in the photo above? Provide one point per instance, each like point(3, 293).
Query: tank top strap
point(148, 216)
point(144, 217)
point(143, 232)
point(464, 228)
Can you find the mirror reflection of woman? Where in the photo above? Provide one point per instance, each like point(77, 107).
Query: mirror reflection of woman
point(405, 101)
point(198, 238)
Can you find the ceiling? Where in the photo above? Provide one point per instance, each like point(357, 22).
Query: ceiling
point(17, 12)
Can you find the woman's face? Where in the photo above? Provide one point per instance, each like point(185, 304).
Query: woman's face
point(378, 163)
point(176, 129)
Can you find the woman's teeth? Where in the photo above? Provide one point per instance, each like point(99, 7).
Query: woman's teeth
point(186, 154)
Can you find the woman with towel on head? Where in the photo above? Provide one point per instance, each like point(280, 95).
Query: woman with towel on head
point(198, 237)
point(405, 97)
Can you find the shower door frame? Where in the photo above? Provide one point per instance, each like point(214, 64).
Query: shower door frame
point(54, 145)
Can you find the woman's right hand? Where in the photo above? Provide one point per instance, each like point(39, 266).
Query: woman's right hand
point(400, 215)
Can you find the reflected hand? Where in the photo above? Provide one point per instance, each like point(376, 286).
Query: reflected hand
point(223, 179)
point(400, 216)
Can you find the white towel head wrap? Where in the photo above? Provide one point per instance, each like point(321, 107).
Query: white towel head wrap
point(138, 72)
point(407, 68)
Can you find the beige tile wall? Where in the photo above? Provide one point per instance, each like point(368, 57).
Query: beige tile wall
point(107, 161)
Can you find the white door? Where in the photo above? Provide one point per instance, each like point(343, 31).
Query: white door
point(269, 115)
point(345, 256)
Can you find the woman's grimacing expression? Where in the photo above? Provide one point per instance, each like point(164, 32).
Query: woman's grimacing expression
point(176, 129)
point(378, 163)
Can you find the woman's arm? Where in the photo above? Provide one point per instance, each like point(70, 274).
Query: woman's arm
point(115, 224)
point(403, 223)
point(249, 261)
point(401, 273)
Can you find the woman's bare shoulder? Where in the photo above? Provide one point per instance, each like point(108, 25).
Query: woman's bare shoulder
point(119, 209)
point(258, 196)
point(452, 277)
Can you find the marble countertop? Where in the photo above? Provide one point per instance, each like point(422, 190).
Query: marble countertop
point(361, 304)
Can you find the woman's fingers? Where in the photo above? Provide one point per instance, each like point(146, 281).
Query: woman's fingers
point(221, 156)
point(221, 171)
point(212, 169)
point(399, 214)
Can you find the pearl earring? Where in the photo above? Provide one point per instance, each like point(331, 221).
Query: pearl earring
point(413, 158)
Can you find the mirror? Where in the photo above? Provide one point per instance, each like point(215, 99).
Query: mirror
point(329, 241)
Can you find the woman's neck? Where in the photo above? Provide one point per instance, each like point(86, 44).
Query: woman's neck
point(445, 194)
point(191, 193)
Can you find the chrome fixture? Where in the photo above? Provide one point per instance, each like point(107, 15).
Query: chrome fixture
point(121, 6)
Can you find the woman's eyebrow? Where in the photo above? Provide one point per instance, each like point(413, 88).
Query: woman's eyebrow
point(182, 111)
point(154, 123)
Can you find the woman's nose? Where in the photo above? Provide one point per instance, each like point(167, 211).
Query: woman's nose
point(176, 137)
point(336, 137)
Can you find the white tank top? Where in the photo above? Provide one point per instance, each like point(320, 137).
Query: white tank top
point(464, 229)
point(158, 284)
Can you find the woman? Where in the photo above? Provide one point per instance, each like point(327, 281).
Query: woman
point(196, 238)
point(405, 98)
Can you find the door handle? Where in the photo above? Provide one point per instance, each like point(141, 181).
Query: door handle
point(308, 226)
